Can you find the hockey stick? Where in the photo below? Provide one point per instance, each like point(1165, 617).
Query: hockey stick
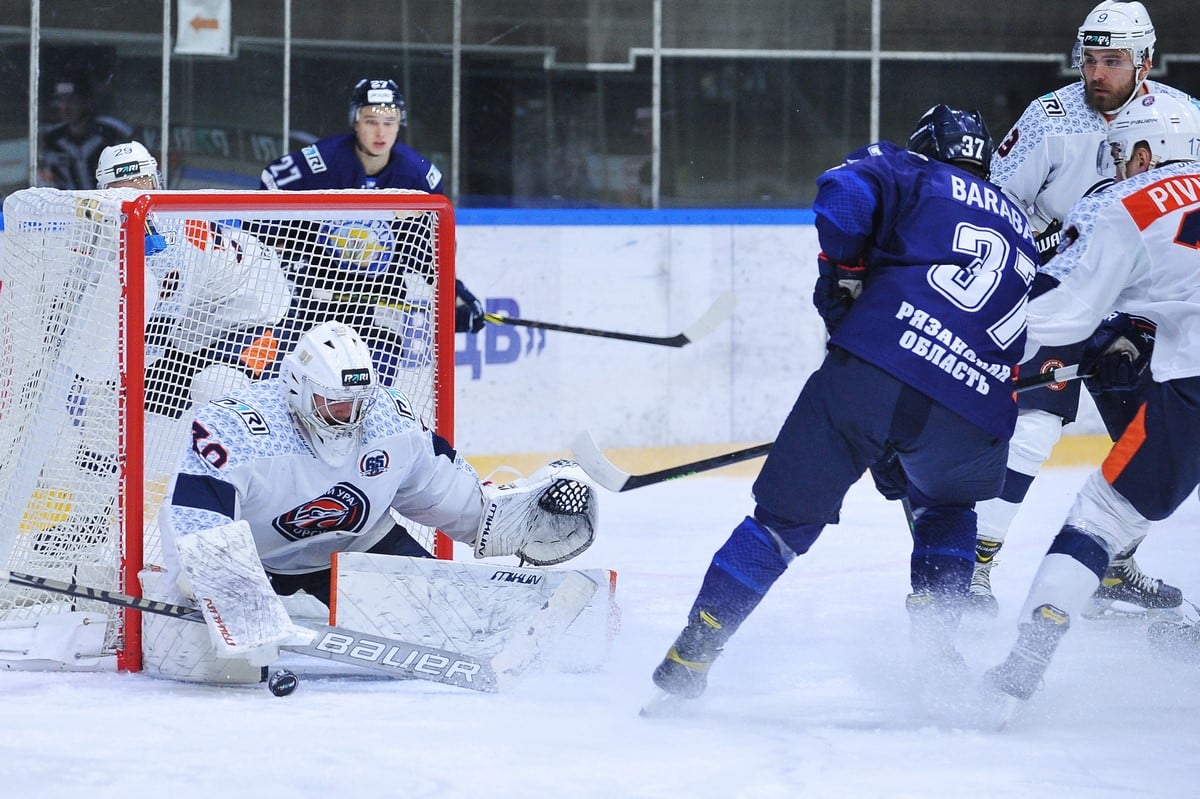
point(1060, 375)
point(606, 474)
point(390, 656)
point(718, 312)
point(602, 470)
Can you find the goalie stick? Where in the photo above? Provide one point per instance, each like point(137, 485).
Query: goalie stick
point(385, 654)
point(718, 312)
point(589, 457)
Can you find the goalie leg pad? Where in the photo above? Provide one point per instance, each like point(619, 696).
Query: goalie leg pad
point(181, 650)
point(546, 518)
point(245, 617)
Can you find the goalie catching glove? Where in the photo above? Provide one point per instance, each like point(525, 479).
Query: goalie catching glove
point(544, 519)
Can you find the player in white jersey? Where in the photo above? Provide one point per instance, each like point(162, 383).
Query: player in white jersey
point(1134, 246)
point(1055, 154)
point(315, 461)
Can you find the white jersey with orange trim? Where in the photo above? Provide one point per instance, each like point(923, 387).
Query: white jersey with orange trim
point(1058, 152)
point(1134, 246)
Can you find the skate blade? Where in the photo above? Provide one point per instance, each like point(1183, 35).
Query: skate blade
point(998, 709)
point(664, 705)
point(1118, 611)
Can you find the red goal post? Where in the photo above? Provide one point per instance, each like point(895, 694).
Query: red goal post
point(123, 310)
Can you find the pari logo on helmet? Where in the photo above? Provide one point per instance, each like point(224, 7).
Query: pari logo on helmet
point(1114, 25)
point(355, 378)
point(124, 163)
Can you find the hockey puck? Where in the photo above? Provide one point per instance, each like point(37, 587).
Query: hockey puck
point(283, 682)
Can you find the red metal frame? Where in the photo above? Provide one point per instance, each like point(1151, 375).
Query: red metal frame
point(131, 401)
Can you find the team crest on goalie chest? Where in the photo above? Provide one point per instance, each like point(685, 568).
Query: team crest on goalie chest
point(341, 509)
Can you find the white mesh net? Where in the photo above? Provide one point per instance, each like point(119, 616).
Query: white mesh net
point(228, 282)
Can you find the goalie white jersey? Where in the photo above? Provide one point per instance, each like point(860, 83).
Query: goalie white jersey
point(1058, 152)
point(250, 460)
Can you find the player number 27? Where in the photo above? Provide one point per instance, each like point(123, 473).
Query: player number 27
point(969, 288)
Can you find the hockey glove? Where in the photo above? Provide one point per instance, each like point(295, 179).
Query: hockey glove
point(468, 310)
point(1118, 354)
point(1048, 240)
point(838, 286)
point(544, 519)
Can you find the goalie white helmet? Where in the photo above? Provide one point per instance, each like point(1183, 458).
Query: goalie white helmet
point(1168, 126)
point(127, 165)
point(330, 385)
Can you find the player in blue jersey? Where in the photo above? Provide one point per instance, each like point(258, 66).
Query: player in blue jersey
point(369, 157)
point(922, 282)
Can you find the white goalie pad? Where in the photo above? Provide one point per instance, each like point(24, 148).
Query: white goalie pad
point(516, 617)
point(545, 519)
point(245, 617)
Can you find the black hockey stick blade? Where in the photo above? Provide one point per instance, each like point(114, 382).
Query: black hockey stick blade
point(390, 656)
point(606, 474)
point(717, 313)
point(1060, 375)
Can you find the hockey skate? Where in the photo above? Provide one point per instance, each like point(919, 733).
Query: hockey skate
point(1020, 675)
point(1176, 640)
point(1127, 591)
point(980, 599)
point(939, 671)
point(683, 673)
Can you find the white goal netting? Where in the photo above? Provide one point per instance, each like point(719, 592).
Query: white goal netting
point(94, 411)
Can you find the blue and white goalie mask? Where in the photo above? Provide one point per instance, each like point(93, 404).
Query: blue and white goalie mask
point(330, 386)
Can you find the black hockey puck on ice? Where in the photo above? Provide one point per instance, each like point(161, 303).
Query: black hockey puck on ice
point(283, 682)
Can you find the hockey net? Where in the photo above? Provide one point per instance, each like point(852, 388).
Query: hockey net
point(121, 310)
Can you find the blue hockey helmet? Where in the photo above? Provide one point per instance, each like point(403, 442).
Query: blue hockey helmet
point(376, 92)
point(954, 136)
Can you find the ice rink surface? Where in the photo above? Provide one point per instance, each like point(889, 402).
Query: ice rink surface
point(813, 697)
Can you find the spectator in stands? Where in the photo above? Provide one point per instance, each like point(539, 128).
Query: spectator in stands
point(71, 148)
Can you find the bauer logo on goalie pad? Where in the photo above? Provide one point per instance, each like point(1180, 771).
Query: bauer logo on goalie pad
point(341, 509)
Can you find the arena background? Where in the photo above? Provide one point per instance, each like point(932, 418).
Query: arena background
point(615, 163)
